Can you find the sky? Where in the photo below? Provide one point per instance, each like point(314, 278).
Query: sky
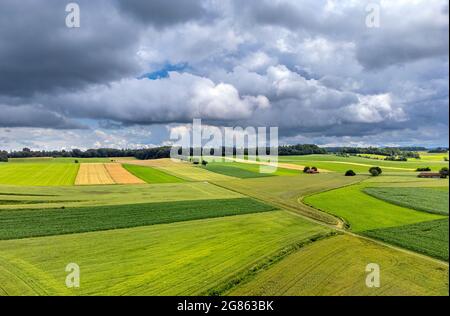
point(135, 71)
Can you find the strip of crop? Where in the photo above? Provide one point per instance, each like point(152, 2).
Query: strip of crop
point(33, 223)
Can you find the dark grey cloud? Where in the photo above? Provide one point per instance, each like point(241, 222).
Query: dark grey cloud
point(38, 53)
point(34, 116)
point(162, 13)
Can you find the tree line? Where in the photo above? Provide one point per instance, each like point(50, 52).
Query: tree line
point(164, 152)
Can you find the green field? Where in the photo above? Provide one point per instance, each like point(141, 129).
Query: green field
point(336, 266)
point(38, 174)
point(77, 196)
point(230, 170)
point(186, 258)
point(432, 200)
point(430, 238)
point(359, 164)
point(34, 223)
point(364, 212)
point(152, 175)
point(287, 192)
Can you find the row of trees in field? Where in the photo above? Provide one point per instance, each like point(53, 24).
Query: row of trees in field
point(400, 153)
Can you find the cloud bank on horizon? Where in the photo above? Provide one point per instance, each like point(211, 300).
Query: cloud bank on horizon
point(136, 69)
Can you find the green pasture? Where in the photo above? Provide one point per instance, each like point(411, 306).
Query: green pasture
point(38, 174)
point(336, 266)
point(152, 175)
point(186, 258)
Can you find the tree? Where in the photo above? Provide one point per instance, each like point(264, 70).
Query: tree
point(350, 173)
point(306, 169)
point(204, 163)
point(3, 156)
point(444, 173)
point(314, 169)
point(375, 171)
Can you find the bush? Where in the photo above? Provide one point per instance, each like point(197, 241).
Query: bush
point(423, 169)
point(204, 163)
point(375, 171)
point(76, 161)
point(314, 169)
point(350, 173)
point(444, 173)
point(306, 169)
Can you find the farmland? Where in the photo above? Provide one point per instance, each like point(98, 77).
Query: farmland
point(151, 175)
point(432, 200)
point(173, 259)
point(414, 217)
point(32, 223)
point(163, 227)
point(307, 272)
point(38, 174)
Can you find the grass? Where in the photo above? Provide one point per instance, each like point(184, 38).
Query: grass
point(429, 238)
point(38, 174)
point(152, 175)
point(79, 196)
point(364, 212)
point(34, 223)
point(186, 258)
point(432, 200)
point(230, 170)
point(336, 266)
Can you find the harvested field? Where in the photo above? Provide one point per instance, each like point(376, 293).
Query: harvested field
point(92, 174)
point(120, 175)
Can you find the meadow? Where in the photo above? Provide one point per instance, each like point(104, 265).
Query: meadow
point(151, 175)
point(38, 174)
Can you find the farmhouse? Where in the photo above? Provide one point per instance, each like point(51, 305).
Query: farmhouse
point(429, 175)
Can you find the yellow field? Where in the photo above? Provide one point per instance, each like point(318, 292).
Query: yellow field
point(93, 173)
point(104, 173)
point(120, 175)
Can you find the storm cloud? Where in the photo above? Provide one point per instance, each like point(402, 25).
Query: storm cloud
point(312, 68)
